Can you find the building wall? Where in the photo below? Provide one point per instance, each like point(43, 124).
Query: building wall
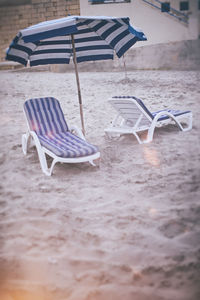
point(16, 17)
point(159, 27)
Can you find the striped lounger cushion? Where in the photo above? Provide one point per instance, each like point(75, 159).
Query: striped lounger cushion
point(46, 118)
point(152, 115)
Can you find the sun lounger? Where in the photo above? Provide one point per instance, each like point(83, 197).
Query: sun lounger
point(134, 117)
point(49, 132)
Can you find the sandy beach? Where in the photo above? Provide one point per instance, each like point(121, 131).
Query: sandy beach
point(128, 229)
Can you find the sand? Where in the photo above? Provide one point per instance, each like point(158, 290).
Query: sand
point(128, 229)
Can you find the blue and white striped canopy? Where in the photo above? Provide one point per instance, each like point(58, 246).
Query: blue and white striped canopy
point(96, 38)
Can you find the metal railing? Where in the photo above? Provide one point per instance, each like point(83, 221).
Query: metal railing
point(172, 12)
point(108, 1)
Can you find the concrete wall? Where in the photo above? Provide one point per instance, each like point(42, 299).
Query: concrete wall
point(184, 55)
point(14, 18)
point(159, 27)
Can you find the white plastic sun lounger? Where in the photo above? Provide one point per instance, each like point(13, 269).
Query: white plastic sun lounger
point(133, 117)
point(49, 132)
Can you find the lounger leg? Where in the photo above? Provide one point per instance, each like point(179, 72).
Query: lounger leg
point(25, 142)
point(189, 123)
point(178, 123)
point(43, 162)
point(50, 170)
point(41, 155)
point(138, 138)
point(150, 133)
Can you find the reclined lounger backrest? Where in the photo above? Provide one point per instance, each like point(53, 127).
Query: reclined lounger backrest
point(45, 116)
point(130, 109)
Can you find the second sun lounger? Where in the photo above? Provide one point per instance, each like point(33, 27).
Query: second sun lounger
point(134, 117)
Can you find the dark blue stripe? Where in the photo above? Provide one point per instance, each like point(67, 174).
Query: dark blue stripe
point(87, 39)
point(98, 26)
point(49, 61)
point(63, 121)
point(43, 102)
point(110, 31)
point(15, 40)
point(57, 114)
point(50, 33)
point(119, 37)
point(126, 20)
point(21, 48)
point(126, 46)
point(48, 101)
point(58, 42)
point(140, 35)
point(52, 102)
point(17, 59)
point(88, 48)
point(52, 51)
point(36, 122)
point(94, 57)
point(38, 112)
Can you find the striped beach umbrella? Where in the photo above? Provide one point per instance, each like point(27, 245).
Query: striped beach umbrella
point(75, 37)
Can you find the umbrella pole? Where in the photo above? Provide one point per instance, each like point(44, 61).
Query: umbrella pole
point(78, 84)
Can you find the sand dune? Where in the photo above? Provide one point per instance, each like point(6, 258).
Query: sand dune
point(128, 229)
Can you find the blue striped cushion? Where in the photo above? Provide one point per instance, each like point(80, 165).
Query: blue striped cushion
point(67, 145)
point(176, 113)
point(46, 118)
point(45, 115)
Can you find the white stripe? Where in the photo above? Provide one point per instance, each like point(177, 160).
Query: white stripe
point(27, 45)
point(95, 52)
point(85, 35)
point(49, 55)
point(58, 38)
point(104, 28)
point(60, 113)
point(91, 43)
point(114, 34)
point(51, 47)
point(78, 44)
point(123, 42)
point(43, 115)
point(54, 113)
point(18, 53)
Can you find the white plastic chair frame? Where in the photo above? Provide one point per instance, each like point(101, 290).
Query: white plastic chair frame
point(142, 121)
point(30, 139)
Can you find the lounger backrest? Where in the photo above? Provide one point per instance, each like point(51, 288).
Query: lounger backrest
point(45, 116)
point(130, 109)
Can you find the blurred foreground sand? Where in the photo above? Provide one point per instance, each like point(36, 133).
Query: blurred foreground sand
point(128, 229)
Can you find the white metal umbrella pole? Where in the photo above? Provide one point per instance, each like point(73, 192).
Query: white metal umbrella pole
point(78, 84)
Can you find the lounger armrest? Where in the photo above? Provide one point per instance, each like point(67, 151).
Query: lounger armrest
point(35, 138)
point(162, 113)
point(77, 131)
